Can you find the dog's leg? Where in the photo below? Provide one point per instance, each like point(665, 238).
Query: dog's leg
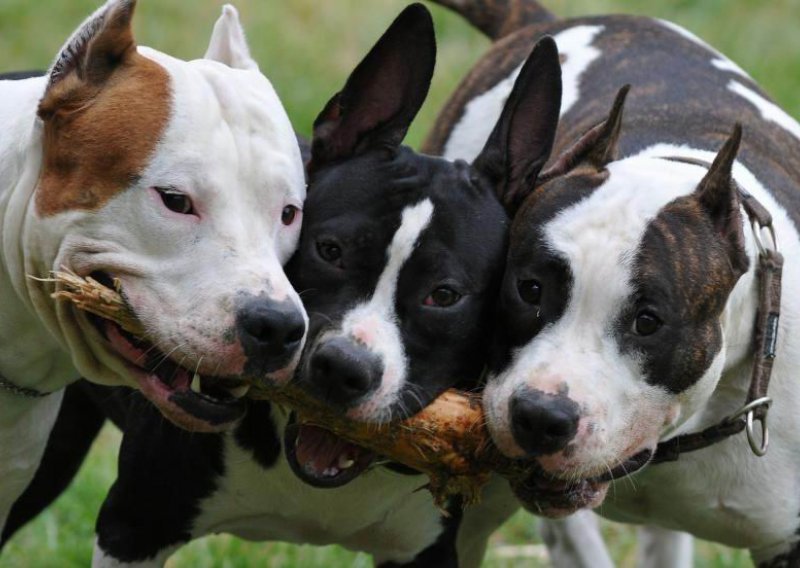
point(25, 425)
point(78, 423)
point(663, 548)
point(164, 474)
point(575, 542)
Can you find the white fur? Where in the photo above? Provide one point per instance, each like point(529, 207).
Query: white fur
point(231, 146)
point(228, 44)
point(480, 115)
point(374, 323)
point(769, 110)
point(576, 542)
point(725, 64)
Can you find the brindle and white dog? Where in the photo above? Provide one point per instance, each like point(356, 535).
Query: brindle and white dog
point(180, 180)
point(631, 287)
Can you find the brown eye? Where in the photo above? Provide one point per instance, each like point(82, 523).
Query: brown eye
point(289, 214)
point(530, 291)
point(329, 252)
point(646, 323)
point(442, 297)
point(175, 201)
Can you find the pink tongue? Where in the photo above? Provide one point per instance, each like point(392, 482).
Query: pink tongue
point(319, 449)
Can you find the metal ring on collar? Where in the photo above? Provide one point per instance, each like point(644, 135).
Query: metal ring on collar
point(759, 447)
point(762, 246)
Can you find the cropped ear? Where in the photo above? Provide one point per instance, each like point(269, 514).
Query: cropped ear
point(99, 47)
point(522, 139)
point(598, 147)
point(383, 94)
point(228, 44)
point(718, 195)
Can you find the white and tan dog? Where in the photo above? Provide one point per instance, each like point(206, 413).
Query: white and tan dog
point(182, 181)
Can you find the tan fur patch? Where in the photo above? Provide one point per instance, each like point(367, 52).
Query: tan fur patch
point(98, 138)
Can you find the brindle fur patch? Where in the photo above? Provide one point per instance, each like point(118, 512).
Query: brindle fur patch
point(686, 291)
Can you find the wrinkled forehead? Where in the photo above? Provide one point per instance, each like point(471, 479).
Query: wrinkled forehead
point(613, 218)
point(232, 117)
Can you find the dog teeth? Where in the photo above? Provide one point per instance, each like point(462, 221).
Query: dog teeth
point(239, 392)
point(196, 383)
point(345, 462)
point(331, 472)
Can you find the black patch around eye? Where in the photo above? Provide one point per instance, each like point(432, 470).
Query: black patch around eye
point(530, 291)
point(330, 252)
point(646, 323)
point(443, 297)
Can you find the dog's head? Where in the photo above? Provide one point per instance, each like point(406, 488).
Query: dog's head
point(401, 254)
point(183, 182)
point(610, 331)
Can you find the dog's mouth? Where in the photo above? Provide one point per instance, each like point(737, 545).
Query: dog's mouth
point(195, 402)
point(322, 459)
point(557, 497)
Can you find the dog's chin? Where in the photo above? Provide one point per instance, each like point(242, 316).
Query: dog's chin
point(547, 495)
point(198, 403)
point(320, 458)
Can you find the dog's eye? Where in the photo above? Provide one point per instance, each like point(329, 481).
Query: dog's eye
point(442, 297)
point(530, 291)
point(646, 323)
point(330, 252)
point(289, 214)
point(176, 201)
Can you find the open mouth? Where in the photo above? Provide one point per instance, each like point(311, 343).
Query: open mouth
point(321, 458)
point(556, 497)
point(192, 401)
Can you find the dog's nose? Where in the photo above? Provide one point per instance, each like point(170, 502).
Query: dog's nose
point(271, 332)
point(543, 423)
point(342, 372)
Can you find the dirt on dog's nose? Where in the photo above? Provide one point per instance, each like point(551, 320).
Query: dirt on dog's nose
point(543, 423)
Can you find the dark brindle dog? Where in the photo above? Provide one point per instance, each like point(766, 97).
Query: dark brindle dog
point(632, 285)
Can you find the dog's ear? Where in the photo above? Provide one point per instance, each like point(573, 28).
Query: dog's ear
point(598, 147)
point(382, 95)
point(228, 44)
point(718, 195)
point(100, 46)
point(522, 139)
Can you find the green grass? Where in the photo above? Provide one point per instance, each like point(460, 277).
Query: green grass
point(307, 47)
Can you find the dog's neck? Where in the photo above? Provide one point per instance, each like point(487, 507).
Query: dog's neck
point(47, 367)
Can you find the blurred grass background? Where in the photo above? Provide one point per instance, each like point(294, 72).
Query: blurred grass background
point(307, 48)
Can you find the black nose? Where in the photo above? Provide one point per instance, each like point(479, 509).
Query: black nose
point(543, 423)
point(271, 332)
point(342, 372)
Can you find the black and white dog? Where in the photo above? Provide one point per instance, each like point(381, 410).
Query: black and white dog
point(632, 284)
point(399, 266)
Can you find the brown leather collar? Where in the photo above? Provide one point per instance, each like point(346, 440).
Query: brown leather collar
point(757, 403)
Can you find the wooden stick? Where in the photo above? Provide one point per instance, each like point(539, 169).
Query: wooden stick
point(448, 440)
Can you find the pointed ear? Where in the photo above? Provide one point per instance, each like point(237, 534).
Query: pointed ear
point(100, 46)
point(382, 95)
point(718, 195)
point(598, 147)
point(522, 139)
point(228, 44)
